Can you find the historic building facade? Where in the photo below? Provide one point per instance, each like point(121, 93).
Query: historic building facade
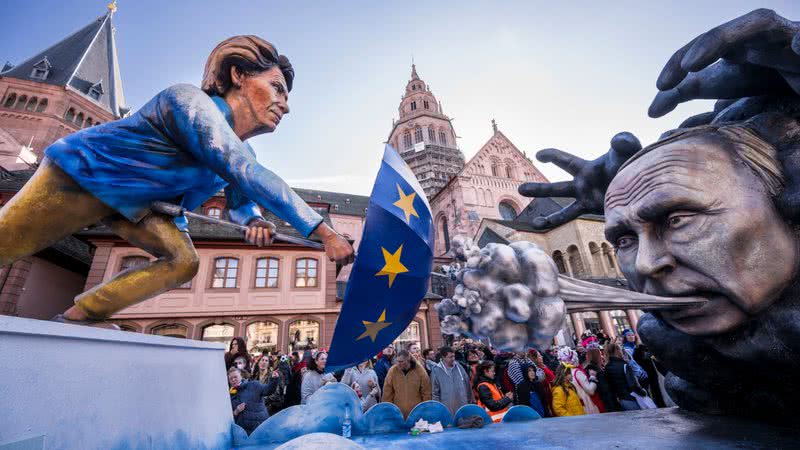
point(425, 137)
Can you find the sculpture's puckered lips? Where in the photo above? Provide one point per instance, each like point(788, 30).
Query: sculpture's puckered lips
point(689, 219)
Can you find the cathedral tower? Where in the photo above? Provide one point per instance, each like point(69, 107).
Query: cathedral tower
point(425, 137)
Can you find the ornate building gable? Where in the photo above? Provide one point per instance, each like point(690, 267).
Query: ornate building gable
point(499, 157)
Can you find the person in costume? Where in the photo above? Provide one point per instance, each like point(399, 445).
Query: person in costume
point(183, 146)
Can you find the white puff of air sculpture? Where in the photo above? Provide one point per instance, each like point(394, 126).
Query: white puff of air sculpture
point(506, 294)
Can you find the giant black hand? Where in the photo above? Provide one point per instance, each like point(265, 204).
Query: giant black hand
point(755, 54)
point(590, 180)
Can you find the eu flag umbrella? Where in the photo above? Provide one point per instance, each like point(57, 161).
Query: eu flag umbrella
point(391, 272)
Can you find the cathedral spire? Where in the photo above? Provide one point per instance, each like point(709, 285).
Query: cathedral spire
point(414, 75)
point(80, 61)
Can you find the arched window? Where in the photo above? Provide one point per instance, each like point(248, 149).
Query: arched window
point(494, 170)
point(431, 135)
point(267, 272)
point(576, 262)
point(597, 261)
point(407, 140)
point(591, 321)
point(261, 337)
point(507, 211)
point(225, 273)
point(409, 336)
point(620, 321)
point(170, 329)
point(305, 274)
point(413, 106)
point(608, 253)
point(88, 122)
point(130, 262)
point(445, 234)
point(128, 328)
point(426, 105)
point(69, 116)
point(303, 335)
point(558, 258)
point(21, 102)
point(222, 333)
point(214, 212)
point(31, 106)
point(417, 135)
point(42, 105)
point(442, 137)
point(509, 172)
point(10, 100)
point(79, 120)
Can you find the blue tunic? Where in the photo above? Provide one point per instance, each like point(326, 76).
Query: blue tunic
point(179, 147)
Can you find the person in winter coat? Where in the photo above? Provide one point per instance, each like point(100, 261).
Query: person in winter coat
point(247, 399)
point(490, 397)
point(629, 347)
point(362, 374)
point(565, 398)
point(545, 376)
point(587, 384)
point(529, 391)
point(385, 362)
point(450, 382)
point(315, 377)
point(407, 384)
point(621, 379)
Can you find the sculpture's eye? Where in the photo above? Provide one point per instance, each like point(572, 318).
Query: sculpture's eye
point(679, 219)
point(625, 242)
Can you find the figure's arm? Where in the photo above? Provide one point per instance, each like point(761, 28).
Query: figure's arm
point(589, 387)
point(486, 398)
point(306, 389)
point(436, 389)
point(241, 209)
point(559, 402)
point(425, 389)
point(193, 122)
point(388, 388)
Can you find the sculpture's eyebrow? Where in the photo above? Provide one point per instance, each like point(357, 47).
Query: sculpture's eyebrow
point(615, 230)
point(656, 210)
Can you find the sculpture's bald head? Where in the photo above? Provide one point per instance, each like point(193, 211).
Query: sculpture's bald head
point(695, 216)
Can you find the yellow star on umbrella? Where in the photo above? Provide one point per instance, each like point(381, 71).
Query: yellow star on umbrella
point(373, 328)
point(393, 266)
point(406, 203)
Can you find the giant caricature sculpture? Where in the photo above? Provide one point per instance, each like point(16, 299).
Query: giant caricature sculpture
point(183, 146)
point(708, 212)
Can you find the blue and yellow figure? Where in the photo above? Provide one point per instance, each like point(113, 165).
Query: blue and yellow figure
point(183, 146)
point(390, 276)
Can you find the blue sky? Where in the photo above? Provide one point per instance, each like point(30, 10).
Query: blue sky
point(568, 77)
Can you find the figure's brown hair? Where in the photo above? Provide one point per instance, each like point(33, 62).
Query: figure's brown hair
point(250, 55)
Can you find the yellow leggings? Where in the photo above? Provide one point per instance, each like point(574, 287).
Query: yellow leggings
point(52, 206)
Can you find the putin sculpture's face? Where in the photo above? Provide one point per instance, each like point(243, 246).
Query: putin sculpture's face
point(690, 219)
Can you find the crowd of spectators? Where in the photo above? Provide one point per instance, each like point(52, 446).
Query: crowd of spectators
point(600, 375)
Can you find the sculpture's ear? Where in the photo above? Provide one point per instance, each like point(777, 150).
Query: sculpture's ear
point(783, 132)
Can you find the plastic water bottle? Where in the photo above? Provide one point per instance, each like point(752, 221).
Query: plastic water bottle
point(346, 425)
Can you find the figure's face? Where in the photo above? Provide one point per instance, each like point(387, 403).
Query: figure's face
point(489, 372)
point(263, 363)
point(449, 359)
point(630, 338)
point(388, 351)
point(240, 363)
point(404, 362)
point(234, 347)
point(234, 379)
point(688, 219)
point(266, 98)
point(414, 350)
point(473, 357)
point(322, 359)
